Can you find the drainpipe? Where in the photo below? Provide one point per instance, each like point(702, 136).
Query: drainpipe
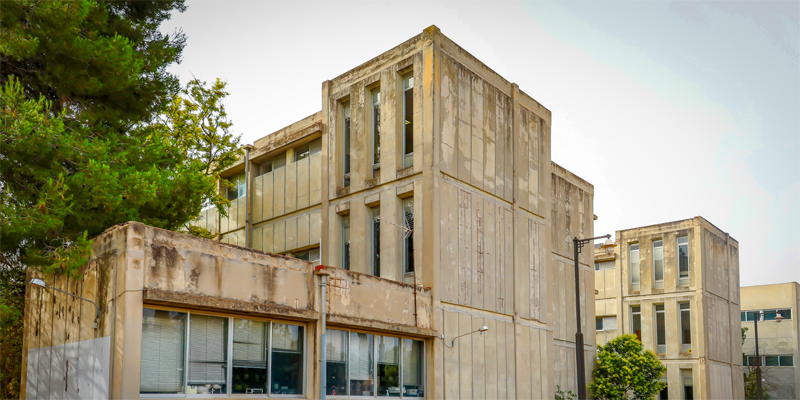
point(248, 221)
point(323, 371)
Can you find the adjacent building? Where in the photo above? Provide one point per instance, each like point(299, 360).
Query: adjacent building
point(777, 341)
point(425, 188)
point(676, 287)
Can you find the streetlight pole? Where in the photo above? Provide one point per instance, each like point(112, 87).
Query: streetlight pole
point(759, 394)
point(577, 244)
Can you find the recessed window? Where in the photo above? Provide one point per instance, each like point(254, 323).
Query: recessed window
point(363, 364)
point(346, 143)
point(634, 265)
point(661, 329)
point(346, 242)
point(312, 255)
point(605, 323)
point(307, 150)
point(376, 241)
point(239, 188)
point(683, 261)
point(376, 131)
point(686, 327)
point(658, 264)
point(688, 384)
point(597, 266)
point(408, 120)
point(598, 323)
point(636, 322)
point(259, 357)
point(408, 242)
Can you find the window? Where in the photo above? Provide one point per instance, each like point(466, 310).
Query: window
point(376, 131)
point(597, 266)
point(255, 357)
point(408, 120)
point(661, 330)
point(163, 335)
point(605, 323)
point(683, 261)
point(663, 394)
point(307, 150)
point(767, 315)
point(770, 361)
point(598, 323)
point(636, 322)
point(686, 327)
point(346, 242)
point(376, 241)
point(363, 364)
point(787, 361)
point(688, 384)
point(408, 243)
point(308, 255)
point(277, 162)
point(239, 188)
point(658, 264)
point(346, 143)
point(635, 273)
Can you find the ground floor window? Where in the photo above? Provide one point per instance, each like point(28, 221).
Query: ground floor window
point(363, 364)
point(189, 354)
point(770, 361)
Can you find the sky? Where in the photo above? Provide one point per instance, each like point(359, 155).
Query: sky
point(670, 109)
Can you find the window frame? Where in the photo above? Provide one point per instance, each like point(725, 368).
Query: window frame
point(688, 309)
point(375, 383)
point(636, 311)
point(660, 348)
point(658, 283)
point(375, 240)
point(229, 356)
point(346, 145)
point(635, 285)
point(375, 127)
point(409, 241)
point(683, 280)
point(408, 156)
point(346, 250)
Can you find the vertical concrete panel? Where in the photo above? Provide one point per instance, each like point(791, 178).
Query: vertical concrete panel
point(490, 257)
point(502, 364)
point(478, 360)
point(477, 251)
point(315, 179)
point(508, 220)
point(315, 227)
point(490, 149)
point(358, 137)
point(522, 265)
point(509, 147)
point(418, 105)
point(241, 212)
point(499, 257)
point(224, 221)
point(267, 182)
point(303, 183)
point(449, 269)
point(279, 199)
point(46, 343)
point(533, 261)
point(523, 355)
point(268, 243)
point(563, 307)
point(391, 238)
point(500, 143)
point(291, 233)
point(448, 115)
point(464, 345)
point(490, 355)
point(511, 361)
point(390, 128)
point(465, 248)
point(545, 366)
point(476, 125)
point(464, 125)
point(101, 368)
point(291, 187)
point(279, 237)
point(521, 168)
point(545, 276)
point(258, 238)
point(533, 163)
point(258, 199)
point(535, 364)
point(451, 357)
point(303, 226)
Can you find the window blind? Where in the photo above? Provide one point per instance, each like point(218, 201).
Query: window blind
point(336, 345)
point(207, 349)
point(360, 356)
point(412, 363)
point(249, 344)
point(163, 335)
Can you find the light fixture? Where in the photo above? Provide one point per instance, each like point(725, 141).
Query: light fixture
point(43, 284)
point(608, 246)
point(778, 317)
point(482, 329)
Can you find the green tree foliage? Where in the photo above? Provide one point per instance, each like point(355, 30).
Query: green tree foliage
point(626, 371)
point(94, 132)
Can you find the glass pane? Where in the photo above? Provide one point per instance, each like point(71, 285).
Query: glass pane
point(598, 324)
point(346, 140)
point(772, 361)
point(635, 278)
point(688, 385)
point(337, 362)
point(413, 351)
point(636, 317)
point(770, 315)
point(408, 124)
point(302, 152)
point(787, 361)
point(744, 316)
point(287, 359)
point(683, 256)
point(376, 241)
point(658, 260)
point(686, 326)
point(376, 127)
point(362, 359)
point(786, 313)
point(663, 394)
point(163, 335)
point(661, 328)
point(249, 356)
point(408, 210)
point(208, 355)
point(346, 242)
point(388, 366)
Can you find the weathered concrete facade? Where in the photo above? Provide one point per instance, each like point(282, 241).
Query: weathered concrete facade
point(433, 141)
point(676, 286)
point(778, 342)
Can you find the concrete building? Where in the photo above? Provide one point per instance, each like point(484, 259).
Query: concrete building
point(778, 342)
point(676, 287)
point(425, 187)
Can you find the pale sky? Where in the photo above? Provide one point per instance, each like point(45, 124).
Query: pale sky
point(670, 109)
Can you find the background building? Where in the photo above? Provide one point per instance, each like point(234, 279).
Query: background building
point(676, 287)
point(425, 185)
point(778, 342)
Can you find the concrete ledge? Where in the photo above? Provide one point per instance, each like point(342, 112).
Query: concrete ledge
point(361, 323)
point(200, 302)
